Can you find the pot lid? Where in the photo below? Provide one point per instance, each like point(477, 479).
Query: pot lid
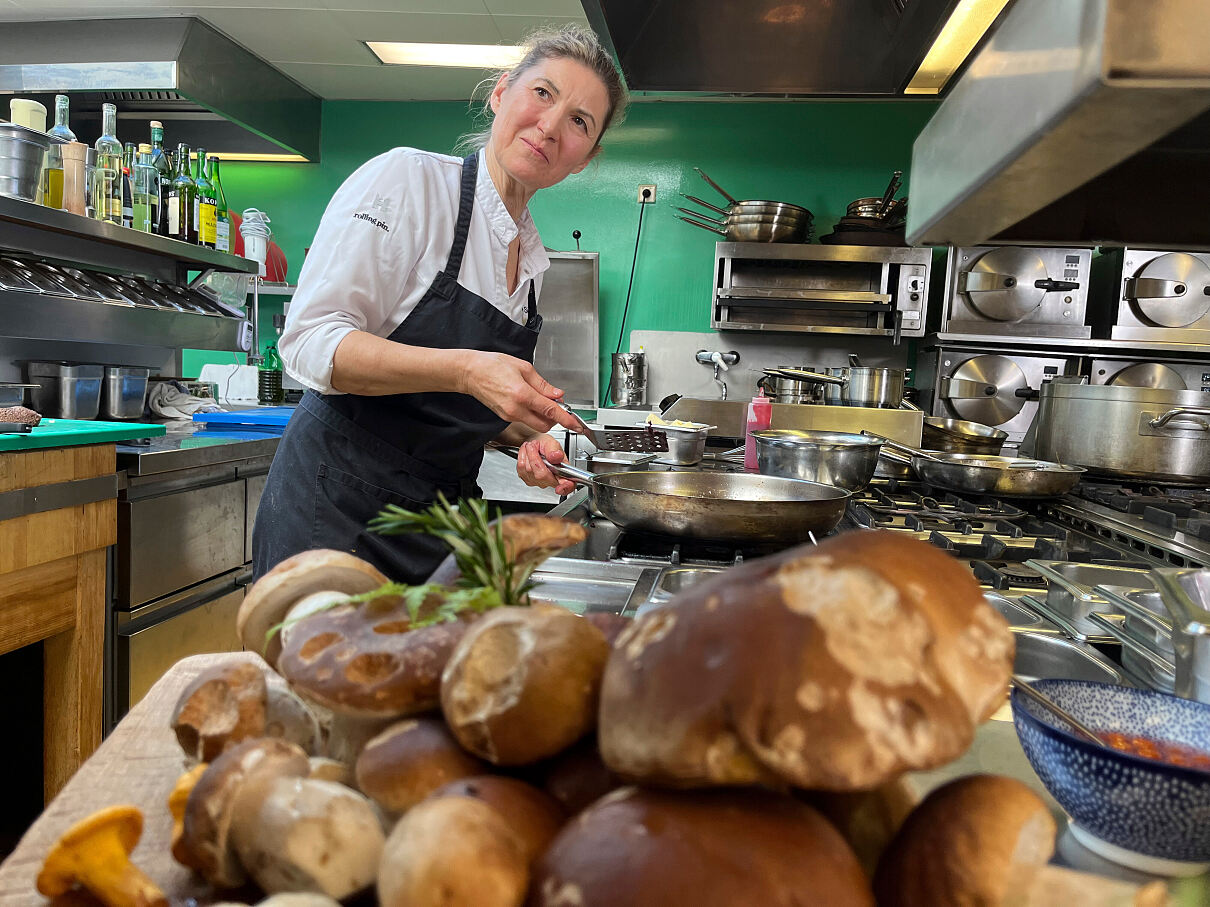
point(1149, 374)
point(1001, 284)
point(967, 390)
point(1171, 290)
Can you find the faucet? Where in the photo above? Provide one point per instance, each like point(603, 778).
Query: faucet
point(721, 361)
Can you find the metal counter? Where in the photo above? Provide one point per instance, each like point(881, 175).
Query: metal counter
point(188, 445)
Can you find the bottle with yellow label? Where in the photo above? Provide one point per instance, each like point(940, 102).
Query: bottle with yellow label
point(204, 204)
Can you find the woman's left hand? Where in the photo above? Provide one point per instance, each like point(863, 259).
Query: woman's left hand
point(534, 472)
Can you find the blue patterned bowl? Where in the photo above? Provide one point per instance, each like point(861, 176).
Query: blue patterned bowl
point(1136, 806)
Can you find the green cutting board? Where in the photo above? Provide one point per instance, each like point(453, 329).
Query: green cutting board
point(70, 432)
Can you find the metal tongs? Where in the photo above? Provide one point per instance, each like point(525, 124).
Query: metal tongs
point(647, 439)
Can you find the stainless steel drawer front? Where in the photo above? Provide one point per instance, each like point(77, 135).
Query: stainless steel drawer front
point(179, 539)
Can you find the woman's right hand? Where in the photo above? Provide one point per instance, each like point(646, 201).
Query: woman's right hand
point(514, 391)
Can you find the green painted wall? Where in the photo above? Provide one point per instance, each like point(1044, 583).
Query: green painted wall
point(821, 154)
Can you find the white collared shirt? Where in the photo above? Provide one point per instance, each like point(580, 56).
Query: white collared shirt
point(384, 238)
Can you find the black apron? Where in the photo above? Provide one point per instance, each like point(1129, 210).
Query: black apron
point(344, 457)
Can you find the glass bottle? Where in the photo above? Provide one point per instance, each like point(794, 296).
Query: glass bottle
point(222, 216)
point(269, 376)
point(146, 181)
point(163, 165)
point(61, 129)
point(181, 192)
point(128, 184)
point(204, 202)
point(109, 167)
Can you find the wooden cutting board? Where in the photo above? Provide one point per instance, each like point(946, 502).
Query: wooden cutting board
point(138, 764)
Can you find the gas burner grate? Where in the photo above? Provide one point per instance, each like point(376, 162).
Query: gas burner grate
point(653, 548)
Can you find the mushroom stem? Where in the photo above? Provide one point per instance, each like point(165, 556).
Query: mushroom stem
point(116, 881)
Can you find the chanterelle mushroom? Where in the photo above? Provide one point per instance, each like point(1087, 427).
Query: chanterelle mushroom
point(95, 854)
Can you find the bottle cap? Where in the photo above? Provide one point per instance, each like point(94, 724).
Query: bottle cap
point(156, 124)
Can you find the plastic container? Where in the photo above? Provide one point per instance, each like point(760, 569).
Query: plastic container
point(760, 415)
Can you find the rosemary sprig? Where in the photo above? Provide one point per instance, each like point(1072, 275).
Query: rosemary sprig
point(477, 545)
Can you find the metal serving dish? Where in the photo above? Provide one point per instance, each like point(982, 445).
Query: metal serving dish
point(1070, 587)
point(124, 392)
point(13, 394)
point(602, 462)
point(677, 579)
point(1018, 616)
point(66, 390)
point(1045, 656)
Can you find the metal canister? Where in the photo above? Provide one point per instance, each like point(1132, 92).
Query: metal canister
point(628, 380)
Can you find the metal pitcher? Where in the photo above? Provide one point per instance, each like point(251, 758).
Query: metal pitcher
point(628, 380)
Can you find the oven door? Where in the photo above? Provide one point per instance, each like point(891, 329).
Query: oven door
point(150, 639)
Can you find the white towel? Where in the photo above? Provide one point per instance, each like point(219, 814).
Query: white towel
point(168, 401)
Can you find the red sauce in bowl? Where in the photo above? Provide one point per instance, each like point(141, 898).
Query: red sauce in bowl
point(1159, 750)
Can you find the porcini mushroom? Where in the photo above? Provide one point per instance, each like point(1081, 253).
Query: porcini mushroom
point(206, 839)
point(296, 577)
point(95, 854)
point(221, 707)
point(297, 834)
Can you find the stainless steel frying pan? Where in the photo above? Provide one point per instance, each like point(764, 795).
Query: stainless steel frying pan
point(1009, 477)
point(741, 507)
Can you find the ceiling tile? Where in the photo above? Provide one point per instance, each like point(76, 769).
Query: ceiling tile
point(563, 8)
point(514, 29)
point(423, 27)
point(385, 83)
point(449, 7)
point(296, 35)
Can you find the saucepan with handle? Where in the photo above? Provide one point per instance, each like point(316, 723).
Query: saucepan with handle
point(1009, 477)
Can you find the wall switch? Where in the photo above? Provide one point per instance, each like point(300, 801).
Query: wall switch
point(649, 198)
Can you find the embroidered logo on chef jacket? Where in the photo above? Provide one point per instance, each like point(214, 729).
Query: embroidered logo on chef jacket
point(381, 206)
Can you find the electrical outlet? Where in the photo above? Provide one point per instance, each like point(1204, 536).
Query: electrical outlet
point(649, 198)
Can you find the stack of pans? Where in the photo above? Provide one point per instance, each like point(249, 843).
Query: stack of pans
point(873, 220)
point(751, 221)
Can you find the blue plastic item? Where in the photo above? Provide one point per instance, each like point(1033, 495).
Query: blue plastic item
point(262, 418)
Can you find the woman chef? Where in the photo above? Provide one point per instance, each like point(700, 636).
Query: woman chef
point(416, 316)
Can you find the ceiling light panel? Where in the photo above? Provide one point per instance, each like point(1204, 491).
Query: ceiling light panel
point(464, 56)
point(962, 32)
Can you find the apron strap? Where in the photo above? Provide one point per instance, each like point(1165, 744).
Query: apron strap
point(466, 205)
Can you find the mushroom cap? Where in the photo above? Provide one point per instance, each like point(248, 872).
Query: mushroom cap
point(296, 577)
point(123, 824)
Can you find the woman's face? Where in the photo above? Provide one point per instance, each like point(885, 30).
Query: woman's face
point(547, 121)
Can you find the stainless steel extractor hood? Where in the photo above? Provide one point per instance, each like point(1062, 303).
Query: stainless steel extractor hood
point(1080, 122)
point(771, 48)
point(207, 89)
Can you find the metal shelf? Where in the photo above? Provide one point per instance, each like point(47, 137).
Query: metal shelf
point(1072, 344)
point(61, 235)
point(40, 316)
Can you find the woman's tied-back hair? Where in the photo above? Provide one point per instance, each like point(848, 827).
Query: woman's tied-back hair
point(569, 42)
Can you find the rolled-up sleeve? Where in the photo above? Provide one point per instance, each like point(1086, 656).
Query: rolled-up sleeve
point(353, 277)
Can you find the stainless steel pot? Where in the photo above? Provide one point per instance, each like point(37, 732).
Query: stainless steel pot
point(961, 436)
point(781, 389)
point(857, 385)
point(832, 457)
point(1133, 432)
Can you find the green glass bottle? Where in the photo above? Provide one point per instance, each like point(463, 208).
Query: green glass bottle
point(268, 378)
point(203, 203)
point(181, 192)
point(164, 167)
point(109, 167)
point(222, 215)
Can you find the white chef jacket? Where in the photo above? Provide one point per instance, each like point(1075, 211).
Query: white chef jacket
point(384, 238)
